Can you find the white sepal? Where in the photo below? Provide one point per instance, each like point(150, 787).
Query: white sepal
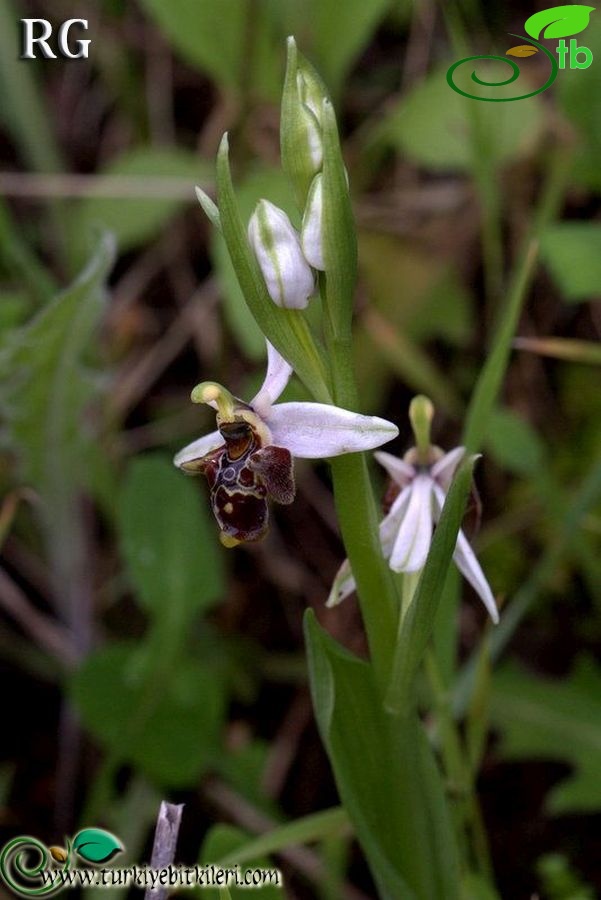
point(312, 227)
point(276, 244)
point(317, 430)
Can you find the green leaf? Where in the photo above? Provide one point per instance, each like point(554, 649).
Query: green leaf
point(341, 31)
point(24, 109)
point(559, 21)
point(434, 127)
point(169, 541)
point(208, 34)
point(560, 720)
point(386, 776)
point(513, 443)
point(418, 624)
point(95, 845)
point(44, 386)
point(286, 329)
point(167, 720)
point(222, 843)
point(572, 253)
point(212, 35)
point(137, 219)
point(476, 887)
point(339, 237)
point(13, 311)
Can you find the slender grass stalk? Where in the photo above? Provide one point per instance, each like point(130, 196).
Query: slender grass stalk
point(462, 788)
point(524, 600)
point(314, 827)
point(491, 377)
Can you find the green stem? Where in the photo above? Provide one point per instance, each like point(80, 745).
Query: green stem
point(359, 523)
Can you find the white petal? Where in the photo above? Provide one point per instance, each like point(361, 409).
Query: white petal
point(398, 469)
point(198, 448)
point(444, 469)
point(342, 586)
point(390, 524)
point(415, 534)
point(470, 568)
point(276, 244)
point(468, 565)
point(276, 378)
point(317, 430)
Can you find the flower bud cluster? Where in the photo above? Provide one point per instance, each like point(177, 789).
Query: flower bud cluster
point(287, 258)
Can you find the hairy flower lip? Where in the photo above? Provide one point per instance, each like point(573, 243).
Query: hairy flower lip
point(308, 430)
point(406, 530)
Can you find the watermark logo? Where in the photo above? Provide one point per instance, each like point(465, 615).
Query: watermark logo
point(31, 869)
point(36, 35)
point(556, 22)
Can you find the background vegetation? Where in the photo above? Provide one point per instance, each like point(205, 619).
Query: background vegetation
point(142, 661)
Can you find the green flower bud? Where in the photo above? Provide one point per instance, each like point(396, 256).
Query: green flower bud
point(288, 277)
point(300, 123)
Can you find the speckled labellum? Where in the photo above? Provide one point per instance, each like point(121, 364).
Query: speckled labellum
point(242, 475)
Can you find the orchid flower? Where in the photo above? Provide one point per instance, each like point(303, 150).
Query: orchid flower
point(250, 457)
point(420, 482)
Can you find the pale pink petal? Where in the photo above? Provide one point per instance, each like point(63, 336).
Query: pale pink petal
point(317, 430)
point(398, 469)
point(390, 524)
point(466, 562)
point(198, 448)
point(276, 378)
point(342, 586)
point(444, 469)
point(468, 565)
point(415, 534)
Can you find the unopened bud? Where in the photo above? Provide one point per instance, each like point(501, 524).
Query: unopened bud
point(300, 123)
point(312, 230)
point(276, 244)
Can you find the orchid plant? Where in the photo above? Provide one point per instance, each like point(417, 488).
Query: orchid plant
point(392, 766)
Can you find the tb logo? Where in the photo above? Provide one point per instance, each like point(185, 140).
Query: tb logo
point(37, 32)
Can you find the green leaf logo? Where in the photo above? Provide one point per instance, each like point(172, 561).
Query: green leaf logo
point(95, 845)
point(559, 21)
